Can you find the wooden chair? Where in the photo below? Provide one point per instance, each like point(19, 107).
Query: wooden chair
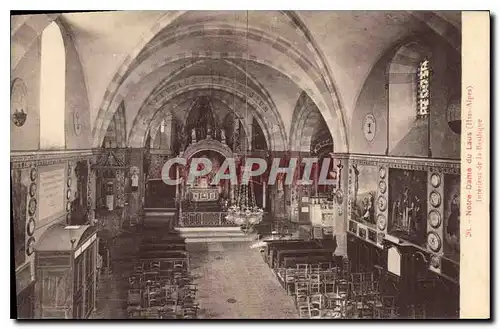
point(154, 266)
point(314, 284)
point(301, 291)
point(314, 268)
point(358, 297)
point(325, 266)
point(134, 297)
point(384, 307)
point(303, 268)
point(316, 301)
point(328, 281)
point(303, 310)
point(139, 267)
point(289, 282)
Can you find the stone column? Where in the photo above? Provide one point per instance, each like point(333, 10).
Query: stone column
point(135, 158)
point(340, 219)
point(91, 191)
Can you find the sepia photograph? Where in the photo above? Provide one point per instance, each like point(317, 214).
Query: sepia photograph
point(249, 164)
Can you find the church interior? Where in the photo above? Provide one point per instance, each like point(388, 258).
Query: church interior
point(100, 101)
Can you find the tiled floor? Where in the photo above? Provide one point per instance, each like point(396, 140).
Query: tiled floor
point(233, 283)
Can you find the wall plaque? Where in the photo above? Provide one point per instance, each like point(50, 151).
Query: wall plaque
point(51, 191)
point(18, 102)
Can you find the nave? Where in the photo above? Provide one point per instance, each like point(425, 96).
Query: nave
point(347, 123)
point(232, 282)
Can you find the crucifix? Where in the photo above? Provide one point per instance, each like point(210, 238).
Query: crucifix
point(340, 166)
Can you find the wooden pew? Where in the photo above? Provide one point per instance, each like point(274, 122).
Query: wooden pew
point(274, 247)
point(292, 261)
point(326, 254)
point(161, 247)
point(304, 246)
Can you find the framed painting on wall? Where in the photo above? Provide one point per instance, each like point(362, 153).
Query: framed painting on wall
point(408, 205)
point(365, 184)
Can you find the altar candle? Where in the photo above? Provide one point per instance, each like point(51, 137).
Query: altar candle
point(263, 195)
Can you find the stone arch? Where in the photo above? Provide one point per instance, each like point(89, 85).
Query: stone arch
point(285, 48)
point(402, 90)
point(207, 145)
point(138, 131)
point(23, 36)
point(441, 27)
point(155, 102)
point(321, 106)
point(189, 97)
point(120, 124)
point(260, 89)
point(319, 93)
point(306, 119)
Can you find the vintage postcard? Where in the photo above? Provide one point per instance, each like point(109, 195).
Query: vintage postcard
point(250, 165)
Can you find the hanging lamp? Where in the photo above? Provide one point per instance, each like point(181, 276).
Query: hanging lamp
point(243, 210)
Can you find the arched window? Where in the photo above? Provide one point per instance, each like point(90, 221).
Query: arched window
point(409, 100)
point(52, 88)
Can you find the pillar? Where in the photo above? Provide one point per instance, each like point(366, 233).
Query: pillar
point(135, 158)
point(340, 219)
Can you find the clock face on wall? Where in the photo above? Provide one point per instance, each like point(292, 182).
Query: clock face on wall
point(435, 199)
point(434, 219)
point(434, 241)
point(381, 222)
point(382, 203)
point(382, 172)
point(369, 127)
point(435, 180)
point(382, 186)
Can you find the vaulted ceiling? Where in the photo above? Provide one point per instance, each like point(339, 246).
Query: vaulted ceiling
point(147, 60)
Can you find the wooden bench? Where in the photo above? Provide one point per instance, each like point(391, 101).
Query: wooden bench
point(303, 253)
point(292, 261)
point(274, 248)
point(161, 247)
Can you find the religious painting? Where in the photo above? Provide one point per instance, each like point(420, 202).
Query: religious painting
point(451, 246)
point(20, 183)
point(364, 178)
point(408, 205)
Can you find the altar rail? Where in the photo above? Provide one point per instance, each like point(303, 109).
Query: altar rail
point(203, 219)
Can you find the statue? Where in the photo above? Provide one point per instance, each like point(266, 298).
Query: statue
point(209, 132)
point(223, 136)
point(193, 135)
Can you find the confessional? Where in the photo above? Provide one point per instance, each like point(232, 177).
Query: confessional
point(66, 262)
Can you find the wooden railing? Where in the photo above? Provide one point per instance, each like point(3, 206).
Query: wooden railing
point(203, 219)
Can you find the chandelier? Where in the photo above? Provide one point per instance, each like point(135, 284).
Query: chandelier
point(243, 210)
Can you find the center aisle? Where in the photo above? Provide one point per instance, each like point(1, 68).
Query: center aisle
point(235, 283)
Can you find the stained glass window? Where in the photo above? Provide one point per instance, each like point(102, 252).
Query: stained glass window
point(423, 91)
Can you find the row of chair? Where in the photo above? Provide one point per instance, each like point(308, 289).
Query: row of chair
point(160, 286)
point(330, 290)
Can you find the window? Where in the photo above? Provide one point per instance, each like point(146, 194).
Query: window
point(52, 88)
point(409, 74)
